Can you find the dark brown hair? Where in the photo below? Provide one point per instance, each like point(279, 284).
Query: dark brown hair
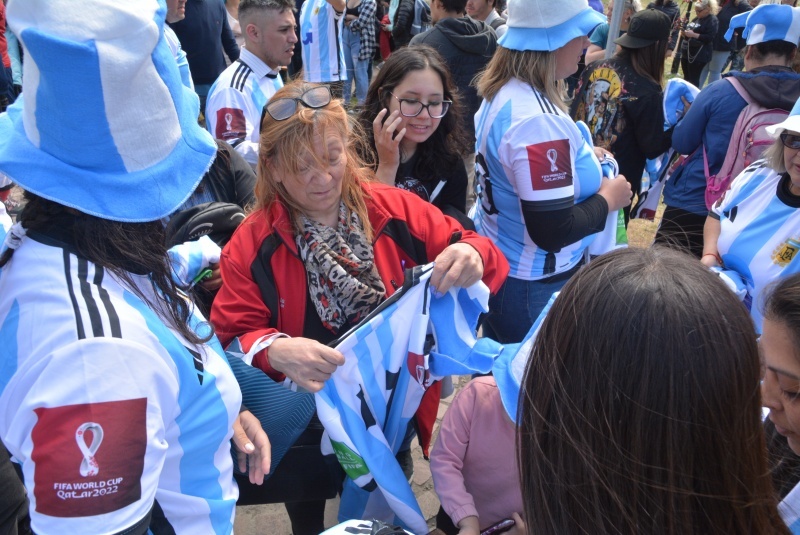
point(443, 149)
point(124, 249)
point(641, 410)
point(648, 61)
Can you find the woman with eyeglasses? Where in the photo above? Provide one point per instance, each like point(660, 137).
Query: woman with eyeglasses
point(411, 117)
point(697, 38)
point(542, 197)
point(754, 229)
point(325, 245)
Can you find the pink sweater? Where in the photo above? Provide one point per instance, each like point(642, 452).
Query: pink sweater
point(473, 461)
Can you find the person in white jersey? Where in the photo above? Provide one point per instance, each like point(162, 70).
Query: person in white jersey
point(541, 193)
point(754, 229)
point(321, 27)
point(116, 399)
point(237, 98)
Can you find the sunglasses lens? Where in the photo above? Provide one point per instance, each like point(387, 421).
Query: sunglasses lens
point(282, 108)
point(791, 140)
point(317, 97)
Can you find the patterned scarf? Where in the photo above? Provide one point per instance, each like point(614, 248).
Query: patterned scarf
point(342, 279)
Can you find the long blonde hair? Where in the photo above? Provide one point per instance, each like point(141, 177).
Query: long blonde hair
point(534, 67)
point(282, 142)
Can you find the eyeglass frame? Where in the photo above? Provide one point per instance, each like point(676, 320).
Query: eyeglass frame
point(265, 109)
point(784, 135)
point(424, 106)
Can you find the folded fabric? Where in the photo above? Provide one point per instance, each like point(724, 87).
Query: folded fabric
point(188, 259)
point(675, 92)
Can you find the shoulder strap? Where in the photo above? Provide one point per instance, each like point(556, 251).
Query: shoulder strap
point(737, 85)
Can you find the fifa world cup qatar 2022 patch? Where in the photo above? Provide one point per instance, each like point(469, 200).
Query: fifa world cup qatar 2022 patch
point(89, 457)
point(231, 124)
point(550, 164)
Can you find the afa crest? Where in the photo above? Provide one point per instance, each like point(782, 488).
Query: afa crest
point(785, 252)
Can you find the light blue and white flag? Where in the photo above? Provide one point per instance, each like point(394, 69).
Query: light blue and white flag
point(789, 509)
point(368, 402)
point(190, 258)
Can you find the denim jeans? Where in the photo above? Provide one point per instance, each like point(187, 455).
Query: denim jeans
point(713, 68)
point(356, 68)
point(515, 307)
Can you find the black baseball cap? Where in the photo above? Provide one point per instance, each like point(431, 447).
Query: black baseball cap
point(646, 28)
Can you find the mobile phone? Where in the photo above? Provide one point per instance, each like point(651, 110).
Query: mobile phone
point(500, 527)
point(203, 275)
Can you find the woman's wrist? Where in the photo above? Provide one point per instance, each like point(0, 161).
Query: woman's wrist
point(714, 254)
point(386, 173)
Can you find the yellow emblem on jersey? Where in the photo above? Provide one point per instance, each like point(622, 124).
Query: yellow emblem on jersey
point(785, 252)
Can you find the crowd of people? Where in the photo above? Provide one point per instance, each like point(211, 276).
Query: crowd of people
point(220, 195)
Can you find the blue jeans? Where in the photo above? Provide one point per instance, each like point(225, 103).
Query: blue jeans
point(356, 69)
point(713, 68)
point(515, 307)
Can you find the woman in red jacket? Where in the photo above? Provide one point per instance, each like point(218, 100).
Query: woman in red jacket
point(325, 246)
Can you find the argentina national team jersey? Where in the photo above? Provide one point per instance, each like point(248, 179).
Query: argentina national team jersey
point(321, 39)
point(110, 413)
point(236, 100)
point(529, 154)
point(759, 231)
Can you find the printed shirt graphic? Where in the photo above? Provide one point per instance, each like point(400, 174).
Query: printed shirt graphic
point(760, 232)
point(529, 151)
point(321, 40)
point(600, 108)
point(236, 100)
point(105, 408)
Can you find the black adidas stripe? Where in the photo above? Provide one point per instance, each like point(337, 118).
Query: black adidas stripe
point(72, 297)
point(240, 76)
point(88, 298)
point(94, 311)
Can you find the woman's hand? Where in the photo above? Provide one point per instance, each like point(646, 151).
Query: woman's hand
point(469, 526)
point(387, 144)
point(214, 281)
point(251, 441)
point(616, 192)
point(306, 362)
point(519, 526)
point(601, 153)
point(459, 265)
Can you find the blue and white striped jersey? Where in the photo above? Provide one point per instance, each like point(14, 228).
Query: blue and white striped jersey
point(789, 509)
point(321, 38)
point(529, 153)
point(110, 413)
point(235, 101)
point(759, 231)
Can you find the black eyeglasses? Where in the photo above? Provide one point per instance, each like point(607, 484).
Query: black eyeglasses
point(411, 107)
point(790, 141)
point(282, 108)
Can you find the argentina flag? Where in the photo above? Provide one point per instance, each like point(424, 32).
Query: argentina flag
point(368, 402)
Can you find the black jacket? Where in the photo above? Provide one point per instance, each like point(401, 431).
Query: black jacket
point(203, 35)
point(699, 48)
point(724, 16)
point(467, 46)
point(401, 26)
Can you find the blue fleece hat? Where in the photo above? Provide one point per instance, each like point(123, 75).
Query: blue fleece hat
point(103, 124)
point(509, 368)
point(768, 22)
point(547, 25)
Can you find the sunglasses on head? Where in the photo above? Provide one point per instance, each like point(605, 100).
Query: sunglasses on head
point(790, 141)
point(282, 108)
